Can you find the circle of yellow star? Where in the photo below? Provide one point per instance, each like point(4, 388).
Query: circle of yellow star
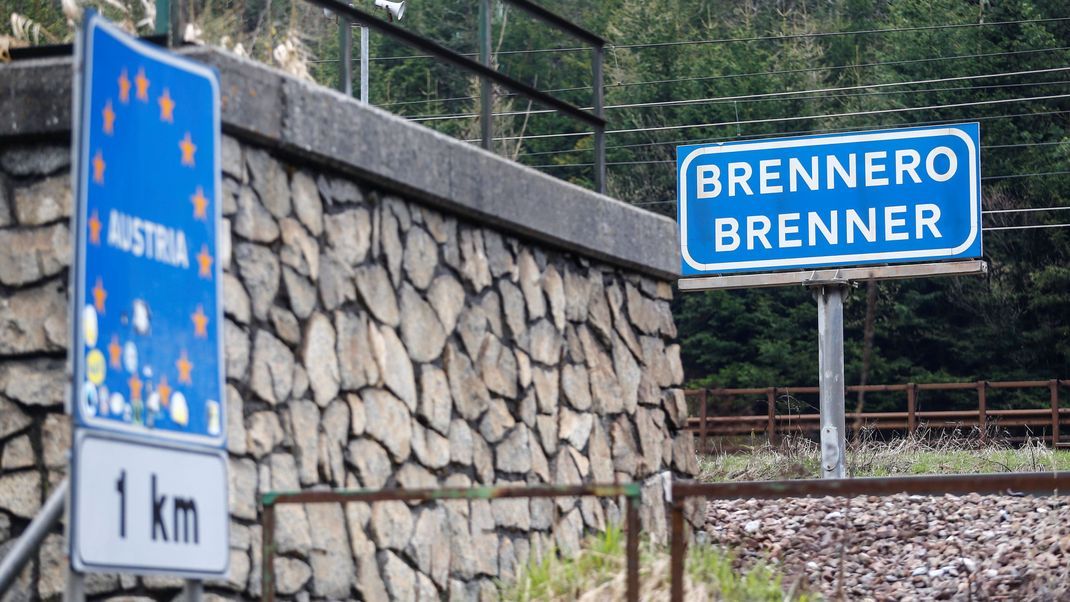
point(98, 167)
point(204, 260)
point(94, 228)
point(167, 107)
point(115, 352)
point(200, 323)
point(188, 148)
point(142, 84)
point(185, 368)
point(109, 118)
point(124, 87)
point(99, 295)
point(200, 204)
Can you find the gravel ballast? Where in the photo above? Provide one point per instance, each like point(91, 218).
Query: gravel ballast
point(905, 547)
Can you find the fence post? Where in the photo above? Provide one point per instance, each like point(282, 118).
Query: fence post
point(267, 554)
point(599, 131)
point(912, 406)
point(345, 64)
point(486, 100)
point(678, 552)
point(632, 552)
point(982, 412)
point(770, 402)
point(705, 414)
point(1053, 386)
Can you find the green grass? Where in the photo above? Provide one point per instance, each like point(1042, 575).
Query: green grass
point(596, 573)
point(798, 458)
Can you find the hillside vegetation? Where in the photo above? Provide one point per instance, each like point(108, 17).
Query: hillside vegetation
point(1012, 324)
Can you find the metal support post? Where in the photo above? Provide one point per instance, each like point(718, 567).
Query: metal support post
point(632, 551)
point(193, 590)
point(365, 33)
point(678, 551)
point(830, 361)
point(912, 408)
point(267, 554)
point(599, 131)
point(1053, 386)
point(23, 549)
point(163, 17)
point(770, 406)
point(486, 89)
point(982, 409)
point(75, 591)
point(703, 432)
point(345, 64)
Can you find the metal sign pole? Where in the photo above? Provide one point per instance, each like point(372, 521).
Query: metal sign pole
point(829, 297)
point(364, 64)
point(193, 590)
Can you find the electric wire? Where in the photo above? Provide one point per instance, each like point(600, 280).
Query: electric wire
point(825, 34)
point(795, 36)
point(1031, 227)
point(611, 86)
point(783, 119)
point(455, 116)
point(660, 161)
point(789, 133)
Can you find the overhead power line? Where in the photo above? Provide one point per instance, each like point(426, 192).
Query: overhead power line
point(795, 36)
point(826, 34)
point(611, 86)
point(1033, 227)
point(663, 161)
point(733, 100)
point(1029, 210)
point(797, 118)
point(794, 132)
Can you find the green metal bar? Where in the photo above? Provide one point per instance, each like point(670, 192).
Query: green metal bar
point(163, 17)
point(271, 498)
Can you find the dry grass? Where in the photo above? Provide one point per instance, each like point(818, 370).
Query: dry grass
point(597, 573)
point(798, 457)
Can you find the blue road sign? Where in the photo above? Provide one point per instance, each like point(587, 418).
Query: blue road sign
point(147, 349)
point(880, 197)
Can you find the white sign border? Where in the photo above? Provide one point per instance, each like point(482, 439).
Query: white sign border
point(815, 261)
point(76, 561)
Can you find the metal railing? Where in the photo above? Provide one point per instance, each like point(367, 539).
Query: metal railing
point(774, 424)
point(631, 492)
point(1035, 483)
point(488, 75)
point(27, 543)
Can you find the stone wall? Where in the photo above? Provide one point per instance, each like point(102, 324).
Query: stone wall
point(372, 340)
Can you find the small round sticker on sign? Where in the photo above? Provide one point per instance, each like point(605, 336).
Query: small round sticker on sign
point(95, 367)
point(179, 409)
point(90, 401)
point(89, 325)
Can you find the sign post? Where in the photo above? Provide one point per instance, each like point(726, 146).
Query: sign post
point(824, 212)
point(829, 297)
point(149, 474)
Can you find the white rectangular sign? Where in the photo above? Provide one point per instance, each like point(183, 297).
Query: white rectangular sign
point(146, 508)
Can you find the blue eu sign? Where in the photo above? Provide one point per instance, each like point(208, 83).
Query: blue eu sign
point(882, 197)
point(148, 356)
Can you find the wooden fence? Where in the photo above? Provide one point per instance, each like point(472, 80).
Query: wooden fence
point(711, 423)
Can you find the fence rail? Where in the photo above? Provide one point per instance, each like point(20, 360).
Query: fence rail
point(486, 72)
point(773, 424)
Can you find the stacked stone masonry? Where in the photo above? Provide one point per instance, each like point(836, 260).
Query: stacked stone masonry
point(371, 341)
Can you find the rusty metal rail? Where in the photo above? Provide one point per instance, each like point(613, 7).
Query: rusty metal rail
point(1032, 483)
point(773, 424)
point(631, 492)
